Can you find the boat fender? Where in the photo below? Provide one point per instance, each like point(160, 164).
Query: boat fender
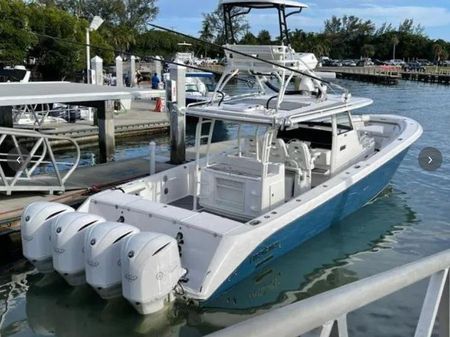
point(151, 270)
point(67, 236)
point(35, 225)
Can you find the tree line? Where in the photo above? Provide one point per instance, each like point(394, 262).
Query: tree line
point(343, 37)
point(27, 28)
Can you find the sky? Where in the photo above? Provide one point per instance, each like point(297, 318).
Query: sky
point(434, 15)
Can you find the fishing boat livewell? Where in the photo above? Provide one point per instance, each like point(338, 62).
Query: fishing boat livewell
point(300, 162)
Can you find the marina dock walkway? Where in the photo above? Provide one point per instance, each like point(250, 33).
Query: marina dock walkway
point(390, 75)
point(379, 75)
point(140, 119)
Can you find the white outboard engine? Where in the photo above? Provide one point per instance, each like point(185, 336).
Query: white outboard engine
point(67, 235)
point(102, 247)
point(36, 225)
point(151, 269)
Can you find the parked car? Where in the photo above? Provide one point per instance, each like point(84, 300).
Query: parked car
point(336, 63)
point(396, 62)
point(379, 62)
point(365, 63)
point(331, 63)
point(424, 62)
point(349, 63)
point(413, 66)
point(445, 63)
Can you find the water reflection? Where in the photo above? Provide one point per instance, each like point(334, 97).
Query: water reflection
point(318, 265)
point(54, 308)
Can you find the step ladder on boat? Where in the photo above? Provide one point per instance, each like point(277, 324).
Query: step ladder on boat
point(28, 163)
point(199, 137)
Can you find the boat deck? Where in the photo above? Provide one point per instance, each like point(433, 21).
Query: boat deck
point(185, 203)
point(87, 180)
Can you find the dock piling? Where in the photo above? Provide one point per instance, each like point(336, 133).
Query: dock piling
point(105, 119)
point(119, 71)
point(177, 115)
point(132, 75)
point(6, 117)
point(97, 66)
point(152, 147)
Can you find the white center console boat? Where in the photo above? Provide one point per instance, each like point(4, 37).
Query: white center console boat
point(301, 161)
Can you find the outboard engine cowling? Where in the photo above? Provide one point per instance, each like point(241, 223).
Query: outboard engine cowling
point(68, 233)
point(35, 227)
point(151, 269)
point(102, 247)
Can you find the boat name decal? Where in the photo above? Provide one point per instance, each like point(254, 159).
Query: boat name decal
point(264, 251)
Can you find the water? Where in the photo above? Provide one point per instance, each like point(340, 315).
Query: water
point(408, 221)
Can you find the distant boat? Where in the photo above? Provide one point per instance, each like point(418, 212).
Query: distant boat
point(200, 85)
point(16, 74)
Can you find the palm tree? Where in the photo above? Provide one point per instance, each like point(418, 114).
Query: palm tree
point(368, 50)
point(395, 41)
point(206, 34)
point(438, 51)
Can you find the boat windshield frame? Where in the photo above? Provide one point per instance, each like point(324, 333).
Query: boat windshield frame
point(233, 9)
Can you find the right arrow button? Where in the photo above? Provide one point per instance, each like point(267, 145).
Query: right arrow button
point(430, 159)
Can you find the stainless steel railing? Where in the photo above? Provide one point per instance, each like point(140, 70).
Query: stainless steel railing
point(18, 166)
point(325, 310)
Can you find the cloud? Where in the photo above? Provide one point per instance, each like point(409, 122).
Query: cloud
point(429, 17)
point(184, 15)
point(426, 16)
point(185, 24)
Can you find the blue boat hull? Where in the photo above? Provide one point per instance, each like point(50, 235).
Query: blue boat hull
point(313, 223)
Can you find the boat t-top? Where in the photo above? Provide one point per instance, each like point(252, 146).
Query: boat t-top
point(299, 161)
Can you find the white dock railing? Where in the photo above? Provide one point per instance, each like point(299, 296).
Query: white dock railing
point(329, 308)
point(18, 166)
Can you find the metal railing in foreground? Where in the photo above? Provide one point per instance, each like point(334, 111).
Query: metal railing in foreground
point(18, 167)
point(329, 308)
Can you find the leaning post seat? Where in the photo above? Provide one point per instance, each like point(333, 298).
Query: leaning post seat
point(237, 187)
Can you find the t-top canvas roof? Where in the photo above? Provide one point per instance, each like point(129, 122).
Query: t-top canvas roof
point(66, 92)
point(294, 109)
point(264, 3)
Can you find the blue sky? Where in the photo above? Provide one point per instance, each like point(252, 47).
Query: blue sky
point(434, 15)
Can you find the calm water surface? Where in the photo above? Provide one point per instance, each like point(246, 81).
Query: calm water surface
point(408, 221)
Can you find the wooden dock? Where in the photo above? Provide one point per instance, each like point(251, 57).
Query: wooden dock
point(389, 75)
point(377, 75)
point(427, 77)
